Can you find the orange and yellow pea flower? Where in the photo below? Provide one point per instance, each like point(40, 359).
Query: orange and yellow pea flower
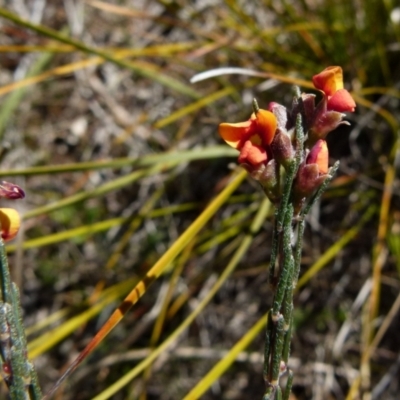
point(330, 81)
point(251, 137)
point(10, 222)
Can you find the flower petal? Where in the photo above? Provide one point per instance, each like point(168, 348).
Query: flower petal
point(266, 124)
point(319, 155)
point(325, 122)
point(10, 222)
point(330, 80)
point(341, 101)
point(252, 154)
point(235, 134)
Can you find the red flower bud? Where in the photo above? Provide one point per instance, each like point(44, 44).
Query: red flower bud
point(11, 191)
point(319, 155)
point(311, 173)
point(269, 181)
point(308, 102)
point(280, 113)
point(307, 180)
point(325, 122)
point(282, 148)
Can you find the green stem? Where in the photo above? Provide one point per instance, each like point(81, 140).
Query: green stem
point(286, 271)
point(287, 192)
point(269, 338)
point(277, 351)
point(274, 251)
point(288, 388)
point(20, 375)
point(287, 340)
point(298, 251)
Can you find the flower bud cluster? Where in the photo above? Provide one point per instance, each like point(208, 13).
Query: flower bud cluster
point(268, 145)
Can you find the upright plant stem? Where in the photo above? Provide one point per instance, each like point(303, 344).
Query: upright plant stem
point(18, 372)
point(284, 275)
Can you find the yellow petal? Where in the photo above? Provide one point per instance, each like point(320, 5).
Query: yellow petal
point(330, 80)
point(266, 123)
point(10, 222)
point(234, 134)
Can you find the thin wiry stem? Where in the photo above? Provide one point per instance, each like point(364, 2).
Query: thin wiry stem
point(18, 372)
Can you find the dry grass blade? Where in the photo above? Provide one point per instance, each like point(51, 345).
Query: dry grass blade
point(146, 70)
point(244, 245)
point(49, 339)
point(227, 361)
point(152, 275)
point(336, 248)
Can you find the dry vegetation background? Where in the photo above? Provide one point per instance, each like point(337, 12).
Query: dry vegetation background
point(91, 230)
